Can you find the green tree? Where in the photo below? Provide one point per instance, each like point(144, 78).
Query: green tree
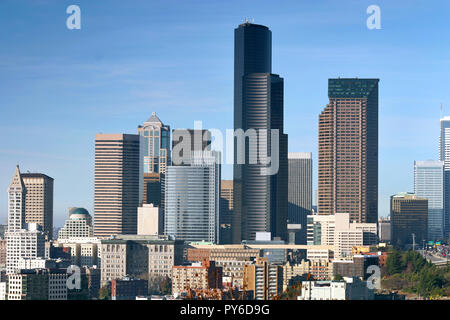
point(394, 263)
point(104, 293)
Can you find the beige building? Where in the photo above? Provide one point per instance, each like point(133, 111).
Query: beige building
point(202, 275)
point(318, 269)
point(39, 201)
point(150, 220)
point(139, 256)
point(84, 251)
point(118, 183)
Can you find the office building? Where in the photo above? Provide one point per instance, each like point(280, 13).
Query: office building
point(317, 269)
point(134, 255)
point(79, 225)
point(409, 219)
point(226, 211)
point(2, 254)
point(83, 251)
point(192, 199)
point(384, 230)
point(348, 150)
point(260, 177)
point(156, 145)
point(150, 220)
point(444, 155)
point(429, 183)
point(338, 231)
point(118, 183)
point(39, 201)
point(152, 188)
point(299, 191)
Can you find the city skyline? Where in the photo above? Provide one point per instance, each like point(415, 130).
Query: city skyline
point(47, 153)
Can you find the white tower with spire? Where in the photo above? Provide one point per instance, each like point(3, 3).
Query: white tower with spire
point(22, 240)
point(16, 203)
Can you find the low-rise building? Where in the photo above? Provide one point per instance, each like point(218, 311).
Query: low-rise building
point(37, 284)
point(203, 276)
point(348, 289)
point(128, 288)
point(317, 269)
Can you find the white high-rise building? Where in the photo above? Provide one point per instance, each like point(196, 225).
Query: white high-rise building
point(23, 240)
point(429, 184)
point(192, 199)
point(150, 220)
point(444, 155)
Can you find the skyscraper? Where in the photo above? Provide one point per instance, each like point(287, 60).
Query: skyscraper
point(23, 240)
point(348, 150)
point(226, 211)
point(39, 201)
point(300, 191)
point(192, 199)
point(260, 199)
point(156, 145)
point(429, 184)
point(408, 219)
point(118, 183)
point(444, 155)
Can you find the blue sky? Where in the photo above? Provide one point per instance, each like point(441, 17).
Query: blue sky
point(60, 87)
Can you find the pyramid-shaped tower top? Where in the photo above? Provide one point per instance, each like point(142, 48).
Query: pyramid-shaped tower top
point(17, 182)
point(154, 119)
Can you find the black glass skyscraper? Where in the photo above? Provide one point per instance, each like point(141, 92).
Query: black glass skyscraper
point(260, 200)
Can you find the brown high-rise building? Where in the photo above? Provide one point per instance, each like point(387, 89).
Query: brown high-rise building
point(39, 201)
point(409, 215)
point(348, 150)
point(118, 184)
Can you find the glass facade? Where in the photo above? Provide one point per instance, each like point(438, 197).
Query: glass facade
point(429, 184)
point(156, 138)
point(192, 200)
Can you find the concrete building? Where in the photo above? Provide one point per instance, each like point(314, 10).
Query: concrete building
point(128, 288)
point(192, 196)
point(384, 230)
point(409, 216)
point(39, 201)
point(348, 150)
point(156, 143)
point(205, 275)
point(118, 183)
point(444, 155)
point(226, 211)
point(299, 191)
point(83, 251)
point(150, 220)
point(318, 269)
point(429, 183)
point(263, 279)
point(260, 191)
point(136, 255)
point(349, 289)
point(79, 225)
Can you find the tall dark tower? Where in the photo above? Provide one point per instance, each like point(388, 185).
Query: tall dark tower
point(260, 200)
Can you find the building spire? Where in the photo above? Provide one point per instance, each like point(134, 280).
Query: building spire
point(17, 181)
